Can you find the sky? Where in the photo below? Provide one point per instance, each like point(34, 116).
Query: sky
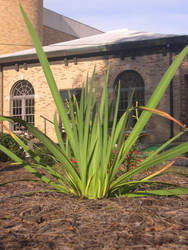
point(162, 16)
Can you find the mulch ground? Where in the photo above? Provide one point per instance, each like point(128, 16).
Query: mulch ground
point(56, 221)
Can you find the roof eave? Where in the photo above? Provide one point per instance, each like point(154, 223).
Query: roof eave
point(179, 41)
point(53, 54)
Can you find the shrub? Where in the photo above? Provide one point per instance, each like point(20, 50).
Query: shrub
point(7, 141)
point(88, 162)
point(45, 156)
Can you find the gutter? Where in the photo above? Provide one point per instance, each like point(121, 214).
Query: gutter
point(52, 55)
point(95, 50)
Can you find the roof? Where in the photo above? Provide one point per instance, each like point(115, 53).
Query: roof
point(101, 42)
point(65, 24)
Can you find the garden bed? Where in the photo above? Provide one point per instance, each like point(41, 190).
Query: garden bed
point(56, 221)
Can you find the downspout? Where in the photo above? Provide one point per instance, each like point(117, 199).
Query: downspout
point(171, 98)
point(1, 95)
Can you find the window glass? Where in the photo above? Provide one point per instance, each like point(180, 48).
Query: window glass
point(73, 92)
point(129, 81)
point(22, 103)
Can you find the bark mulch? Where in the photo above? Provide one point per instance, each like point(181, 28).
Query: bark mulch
point(56, 221)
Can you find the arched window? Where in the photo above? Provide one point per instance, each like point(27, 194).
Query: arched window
point(22, 103)
point(129, 80)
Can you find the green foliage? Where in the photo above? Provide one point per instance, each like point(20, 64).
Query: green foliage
point(45, 156)
point(87, 164)
point(7, 141)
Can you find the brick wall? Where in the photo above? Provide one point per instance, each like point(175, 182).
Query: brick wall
point(150, 67)
point(51, 36)
point(13, 33)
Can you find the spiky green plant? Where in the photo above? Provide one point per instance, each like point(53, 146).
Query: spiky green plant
point(91, 146)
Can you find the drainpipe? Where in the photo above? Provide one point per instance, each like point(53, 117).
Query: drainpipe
point(171, 98)
point(1, 94)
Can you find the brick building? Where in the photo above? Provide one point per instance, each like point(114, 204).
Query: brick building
point(50, 26)
point(137, 59)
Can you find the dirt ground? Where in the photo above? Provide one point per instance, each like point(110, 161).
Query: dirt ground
point(56, 221)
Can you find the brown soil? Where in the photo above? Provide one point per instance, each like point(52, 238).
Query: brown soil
point(56, 221)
